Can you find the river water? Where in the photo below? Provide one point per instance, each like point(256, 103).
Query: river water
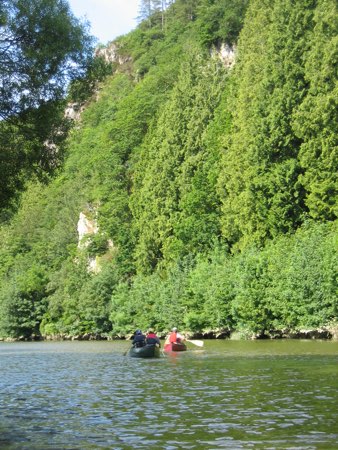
point(230, 395)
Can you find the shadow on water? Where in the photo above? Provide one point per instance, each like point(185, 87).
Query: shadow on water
point(230, 394)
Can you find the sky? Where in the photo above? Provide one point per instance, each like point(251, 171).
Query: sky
point(108, 18)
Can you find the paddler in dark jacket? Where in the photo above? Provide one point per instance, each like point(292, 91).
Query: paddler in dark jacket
point(139, 339)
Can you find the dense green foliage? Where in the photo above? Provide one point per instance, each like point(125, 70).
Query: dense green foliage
point(174, 201)
point(288, 285)
point(42, 48)
point(213, 189)
point(280, 163)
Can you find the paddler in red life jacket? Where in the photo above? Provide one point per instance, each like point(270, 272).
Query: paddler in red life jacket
point(152, 338)
point(175, 336)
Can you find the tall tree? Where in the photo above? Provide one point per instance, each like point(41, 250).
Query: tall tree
point(220, 21)
point(42, 48)
point(152, 11)
point(260, 180)
point(174, 202)
point(146, 10)
point(316, 119)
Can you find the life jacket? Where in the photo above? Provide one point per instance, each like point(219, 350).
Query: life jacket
point(152, 339)
point(173, 337)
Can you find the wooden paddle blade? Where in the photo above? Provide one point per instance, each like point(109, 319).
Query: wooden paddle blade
point(196, 342)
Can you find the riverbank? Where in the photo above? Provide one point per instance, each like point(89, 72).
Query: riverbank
point(326, 333)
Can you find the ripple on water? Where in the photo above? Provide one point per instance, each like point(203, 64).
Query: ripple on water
point(81, 396)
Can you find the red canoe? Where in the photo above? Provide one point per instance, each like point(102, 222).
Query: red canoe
point(175, 347)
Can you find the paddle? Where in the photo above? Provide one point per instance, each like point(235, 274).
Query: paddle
point(196, 342)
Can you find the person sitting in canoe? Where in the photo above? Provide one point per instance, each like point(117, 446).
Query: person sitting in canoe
point(139, 339)
point(152, 338)
point(175, 337)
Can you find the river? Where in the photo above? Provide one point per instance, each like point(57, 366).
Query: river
point(229, 395)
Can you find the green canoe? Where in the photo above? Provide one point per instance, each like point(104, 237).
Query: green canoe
point(147, 351)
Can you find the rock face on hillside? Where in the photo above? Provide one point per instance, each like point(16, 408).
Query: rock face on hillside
point(226, 53)
point(85, 227)
point(111, 54)
point(73, 111)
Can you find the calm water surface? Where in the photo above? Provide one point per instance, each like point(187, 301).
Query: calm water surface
point(230, 395)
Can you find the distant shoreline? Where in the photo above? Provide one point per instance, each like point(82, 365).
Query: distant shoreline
point(310, 334)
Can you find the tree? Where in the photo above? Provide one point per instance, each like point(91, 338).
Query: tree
point(316, 119)
point(43, 47)
point(262, 196)
point(174, 201)
point(220, 21)
point(146, 10)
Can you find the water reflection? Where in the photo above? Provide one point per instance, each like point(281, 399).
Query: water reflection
point(88, 395)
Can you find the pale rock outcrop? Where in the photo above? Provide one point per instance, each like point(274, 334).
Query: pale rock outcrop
point(93, 265)
point(73, 111)
point(85, 228)
point(111, 54)
point(226, 53)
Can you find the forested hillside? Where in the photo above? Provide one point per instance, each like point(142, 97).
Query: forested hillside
point(205, 167)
